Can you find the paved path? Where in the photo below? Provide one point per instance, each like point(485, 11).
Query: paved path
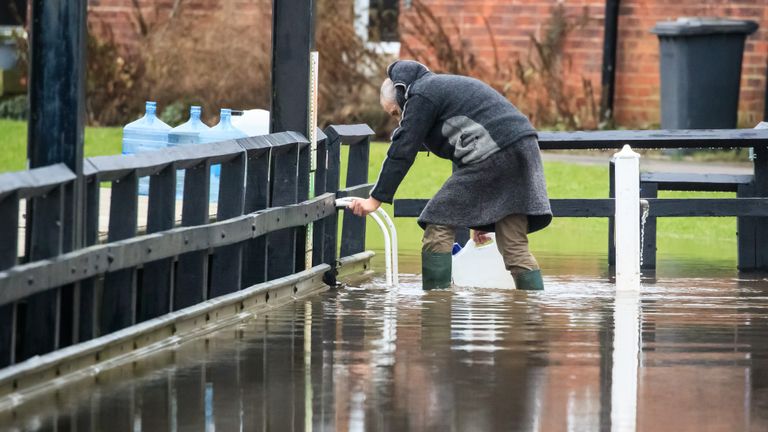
point(650, 164)
point(104, 203)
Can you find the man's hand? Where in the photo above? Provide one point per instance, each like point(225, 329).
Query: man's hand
point(480, 237)
point(362, 207)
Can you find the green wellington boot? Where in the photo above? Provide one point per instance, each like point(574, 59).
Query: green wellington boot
point(530, 280)
point(435, 270)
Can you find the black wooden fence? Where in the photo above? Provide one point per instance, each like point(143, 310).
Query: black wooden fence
point(751, 206)
point(58, 294)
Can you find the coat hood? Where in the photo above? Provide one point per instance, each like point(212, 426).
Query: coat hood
point(403, 74)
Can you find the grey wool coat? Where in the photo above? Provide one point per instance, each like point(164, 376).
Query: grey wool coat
point(492, 143)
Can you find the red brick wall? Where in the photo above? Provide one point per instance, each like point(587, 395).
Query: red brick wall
point(512, 22)
point(637, 79)
point(122, 20)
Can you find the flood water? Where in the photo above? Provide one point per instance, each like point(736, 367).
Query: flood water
point(688, 354)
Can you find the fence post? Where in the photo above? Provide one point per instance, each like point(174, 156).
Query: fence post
point(746, 229)
point(118, 296)
point(321, 175)
point(87, 319)
point(154, 298)
point(281, 245)
point(257, 189)
point(40, 313)
point(9, 235)
point(353, 234)
point(611, 221)
point(192, 269)
point(627, 222)
point(649, 190)
point(331, 223)
point(302, 195)
point(227, 260)
point(760, 190)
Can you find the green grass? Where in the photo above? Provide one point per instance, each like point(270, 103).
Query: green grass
point(704, 239)
point(694, 238)
point(13, 143)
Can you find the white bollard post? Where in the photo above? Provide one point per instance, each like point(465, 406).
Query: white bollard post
point(627, 219)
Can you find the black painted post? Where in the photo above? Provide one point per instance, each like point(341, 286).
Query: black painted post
point(281, 245)
point(293, 37)
point(57, 118)
point(746, 229)
point(118, 297)
point(302, 195)
point(9, 234)
point(257, 191)
point(227, 261)
point(154, 297)
point(321, 175)
point(332, 181)
point(87, 314)
point(353, 233)
point(57, 94)
point(192, 271)
point(39, 316)
point(761, 190)
point(610, 38)
point(611, 225)
point(649, 190)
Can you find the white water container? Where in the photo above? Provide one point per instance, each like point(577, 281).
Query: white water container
point(253, 122)
point(481, 266)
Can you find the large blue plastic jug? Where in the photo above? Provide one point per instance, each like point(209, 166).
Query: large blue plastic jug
point(185, 134)
point(145, 134)
point(223, 131)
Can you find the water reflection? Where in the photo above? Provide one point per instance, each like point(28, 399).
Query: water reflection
point(685, 355)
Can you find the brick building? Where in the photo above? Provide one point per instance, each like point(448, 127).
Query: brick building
point(512, 22)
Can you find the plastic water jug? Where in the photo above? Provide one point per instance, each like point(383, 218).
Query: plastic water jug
point(145, 134)
point(185, 134)
point(223, 131)
point(481, 266)
point(253, 122)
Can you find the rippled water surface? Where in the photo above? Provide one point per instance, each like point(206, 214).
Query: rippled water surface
point(688, 354)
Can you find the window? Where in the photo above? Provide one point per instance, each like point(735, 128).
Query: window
point(376, 22)
point(13, 12)
point(382, 21)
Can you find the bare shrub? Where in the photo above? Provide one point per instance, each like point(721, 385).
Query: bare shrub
point(208, 59)
point(350, 71)
point(534, 82)
point(114, 87)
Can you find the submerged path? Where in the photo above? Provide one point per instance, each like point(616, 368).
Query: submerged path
point(374, 358)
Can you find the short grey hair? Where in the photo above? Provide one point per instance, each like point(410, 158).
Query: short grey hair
point(388, 93)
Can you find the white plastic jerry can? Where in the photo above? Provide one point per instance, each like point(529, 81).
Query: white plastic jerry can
point(481, 266)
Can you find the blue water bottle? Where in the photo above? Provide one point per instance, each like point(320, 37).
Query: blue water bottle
point(223, 131)
point(145, 134)
point(185, 134)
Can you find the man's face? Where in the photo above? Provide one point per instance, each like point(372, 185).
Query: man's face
point(391, 108)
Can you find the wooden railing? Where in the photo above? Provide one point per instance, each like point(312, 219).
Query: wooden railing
point(64, 290)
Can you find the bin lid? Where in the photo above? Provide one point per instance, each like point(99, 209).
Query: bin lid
point(694, 26)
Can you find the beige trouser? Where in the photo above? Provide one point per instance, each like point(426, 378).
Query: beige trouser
point(511, 239)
